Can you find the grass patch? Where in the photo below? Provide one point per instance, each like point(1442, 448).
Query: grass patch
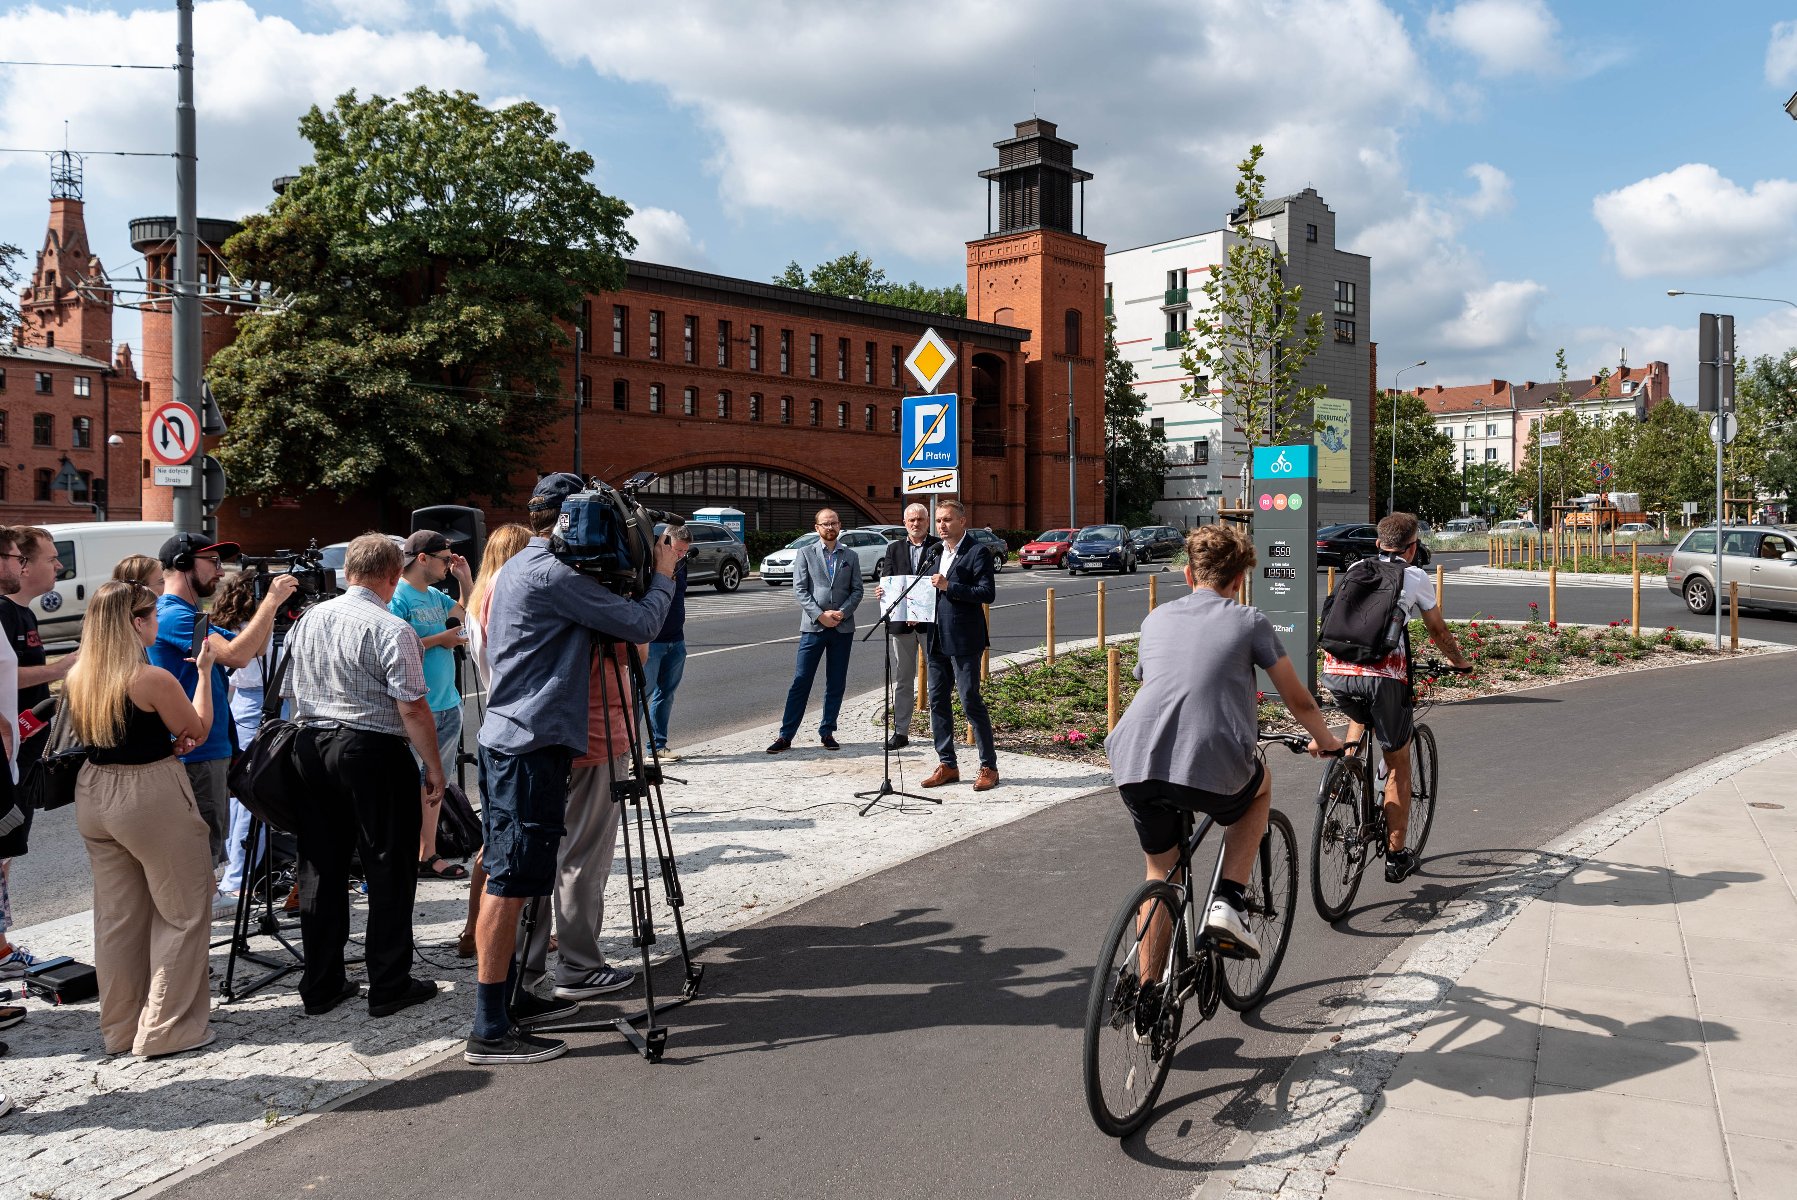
point(1621, 564)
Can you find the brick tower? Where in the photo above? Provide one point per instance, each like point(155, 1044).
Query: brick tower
point(67, 305)
point(1036, 271)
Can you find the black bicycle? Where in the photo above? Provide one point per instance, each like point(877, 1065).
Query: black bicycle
point(1350, 827)
point(1158, 957)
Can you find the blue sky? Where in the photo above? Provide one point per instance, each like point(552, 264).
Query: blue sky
point(1526, 174)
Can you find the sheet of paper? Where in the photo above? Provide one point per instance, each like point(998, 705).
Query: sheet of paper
point(919, 604)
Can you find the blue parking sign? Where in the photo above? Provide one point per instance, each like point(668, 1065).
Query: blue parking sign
point(930, 433)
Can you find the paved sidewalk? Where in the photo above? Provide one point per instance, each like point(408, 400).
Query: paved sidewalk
point(753, 833)
point(1632, 1033)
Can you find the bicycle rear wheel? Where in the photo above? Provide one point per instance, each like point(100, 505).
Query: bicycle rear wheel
point(1423, 778)
point(1132, 1027)
point(1272, 902)
point(1338, 847)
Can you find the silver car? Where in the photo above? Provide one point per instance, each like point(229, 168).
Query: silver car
point(867, 547)
point(1761, 561)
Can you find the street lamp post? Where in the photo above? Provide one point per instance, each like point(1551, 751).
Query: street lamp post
point(1391, 502)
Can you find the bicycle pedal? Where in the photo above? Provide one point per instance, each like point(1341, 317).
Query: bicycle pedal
point(1230, 948)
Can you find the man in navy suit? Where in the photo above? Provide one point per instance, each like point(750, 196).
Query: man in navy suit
point(964, 583)
point(826, 580)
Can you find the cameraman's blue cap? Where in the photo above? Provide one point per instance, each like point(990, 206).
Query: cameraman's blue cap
point(551, 490)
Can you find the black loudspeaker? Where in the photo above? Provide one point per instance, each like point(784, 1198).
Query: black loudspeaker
point(466, 529)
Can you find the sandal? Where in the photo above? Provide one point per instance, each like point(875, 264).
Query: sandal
point(428, 868)
point(464, 944)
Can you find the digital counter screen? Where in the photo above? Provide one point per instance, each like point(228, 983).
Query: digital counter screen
point(1279, 550)
point(1279, 573)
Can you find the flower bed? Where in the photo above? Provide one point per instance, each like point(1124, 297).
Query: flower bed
point(1604, 564)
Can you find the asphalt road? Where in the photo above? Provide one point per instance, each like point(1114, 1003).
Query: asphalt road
point(740, 653)
point(917, 1033)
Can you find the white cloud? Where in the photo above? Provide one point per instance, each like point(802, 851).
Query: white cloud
point(1496, 317)
point(1781, 55)
point(381, 14)
point(1493, 197)
point(1506, 37)
point(1694, 221)
point(663, 236)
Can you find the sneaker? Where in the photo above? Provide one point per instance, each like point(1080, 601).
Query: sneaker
point(5, 1100)
point(596, 983)
point(19, 961)
point(10, 1015)
point(513, 1047)
point(1399, 864)
point(1224, 923)
point(224, 904)
point(666, 755)
point(417, 992)
point(530, 1010)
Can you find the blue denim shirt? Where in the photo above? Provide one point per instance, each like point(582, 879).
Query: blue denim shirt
point(540, 643)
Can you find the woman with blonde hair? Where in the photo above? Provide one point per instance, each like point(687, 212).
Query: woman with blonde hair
point(142, 567)
point(146, 839)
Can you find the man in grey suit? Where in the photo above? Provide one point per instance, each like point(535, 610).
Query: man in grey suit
point(826, 580)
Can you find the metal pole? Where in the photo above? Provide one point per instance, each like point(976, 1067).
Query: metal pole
point(1072, 460)
point(1721, 428)
point(1391, 503)
point(185, 309)
point(580, 399)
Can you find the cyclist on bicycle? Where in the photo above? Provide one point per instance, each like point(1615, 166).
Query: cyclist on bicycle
point(1378, 693)
point(1188, 740)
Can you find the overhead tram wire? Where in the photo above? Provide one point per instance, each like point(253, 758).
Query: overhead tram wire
point(20, 62)
point(95, 153)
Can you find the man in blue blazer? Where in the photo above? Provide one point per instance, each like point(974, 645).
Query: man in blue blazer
point(826, 581)
point(964, 583)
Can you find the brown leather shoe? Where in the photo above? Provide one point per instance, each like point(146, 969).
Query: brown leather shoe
point(987, 779)
point(941, 775)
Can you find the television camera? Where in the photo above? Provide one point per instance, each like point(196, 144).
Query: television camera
point(606, 532)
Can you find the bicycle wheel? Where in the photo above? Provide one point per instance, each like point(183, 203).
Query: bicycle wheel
point(1130, 1033)
point(1338, 848)
point(1423, 778)
point(1272, 902)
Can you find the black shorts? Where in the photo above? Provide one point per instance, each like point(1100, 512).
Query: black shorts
point(1159, 808)
point(1382, 703)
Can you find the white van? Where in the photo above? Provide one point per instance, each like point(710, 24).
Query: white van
point(89, 550)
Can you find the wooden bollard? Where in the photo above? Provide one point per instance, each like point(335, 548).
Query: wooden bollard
point(923, 674)
point(1734, 615)
point(1635, 602)
point(1439, 593)
point(1101, 615)
point(1331, 590)
point(1112, 669)
point(1050, 642)
point(1151, 582)
point(1553, 593)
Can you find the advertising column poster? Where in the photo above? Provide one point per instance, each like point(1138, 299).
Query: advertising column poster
point(1335, 448)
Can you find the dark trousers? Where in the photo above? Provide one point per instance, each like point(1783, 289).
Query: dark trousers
point(963, 671)
point(363, 793)
point(832, 646)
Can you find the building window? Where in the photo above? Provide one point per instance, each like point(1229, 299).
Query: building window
point(45, 383)
point(1201, 452)
point(654, 334)
point(1070, 331)
point(1469, 430)
point(3, 474)
point(817, 412)
point(786, 352)
point(1491, 454)
point(867, 419)
point(842, 359)
point(81, 432)
point(655, 402)
point(817, 349)
point(2, 429)
point(786, 410)
point(842, 414)
point(1344, 331)
point(620, 394)
point(1491, 429)
point(2, 379)
point(1344, 298)
point(1178, 320)
point(84, 386)
point(620, 329)
point(723, 406)
point(867, 363)
point(1157, 426)
point(1310, 233)
point(43, 430)
point(50, 340)
point(1467, 456)
point(754, 406)
point(898, 357)
point(689, 402)
point(690, 340)
point(754, 347)
point(723, 343)
point(895, 420)
point(41, 490)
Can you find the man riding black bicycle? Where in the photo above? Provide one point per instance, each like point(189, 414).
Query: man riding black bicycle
point(1366, 663)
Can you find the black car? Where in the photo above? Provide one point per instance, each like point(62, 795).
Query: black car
point(1101, 548)
point(1157, 541)
point(1346, 544)
point(1001, 553)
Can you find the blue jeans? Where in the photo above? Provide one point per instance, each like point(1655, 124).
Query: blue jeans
point(667, 663)
point(833, 646)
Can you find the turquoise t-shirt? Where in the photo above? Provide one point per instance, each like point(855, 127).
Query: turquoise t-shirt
point(427, 612)
point(175, 619)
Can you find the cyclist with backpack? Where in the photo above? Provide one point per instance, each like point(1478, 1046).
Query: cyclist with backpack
point(1365, 639)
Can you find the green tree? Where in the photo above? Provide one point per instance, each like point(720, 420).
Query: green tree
point(426, 263)
point(1765, 452)
point(1136, 455)
point(1255, 346)
point(9, 287)
point(854, 277)
point(1427, 475)
point(1669, 459)
point(1493, 491)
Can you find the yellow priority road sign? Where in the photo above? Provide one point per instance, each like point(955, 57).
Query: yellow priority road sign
point(930, 360)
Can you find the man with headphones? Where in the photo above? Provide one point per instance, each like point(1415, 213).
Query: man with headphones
point(437, 620)
point(191, 570)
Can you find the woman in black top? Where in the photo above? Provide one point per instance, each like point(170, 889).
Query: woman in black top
point(152, 863)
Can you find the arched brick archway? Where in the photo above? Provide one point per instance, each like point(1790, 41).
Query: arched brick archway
point(774, 494)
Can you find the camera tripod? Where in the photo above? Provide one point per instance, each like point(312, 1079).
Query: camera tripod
point(875, 795)
point(645, 817)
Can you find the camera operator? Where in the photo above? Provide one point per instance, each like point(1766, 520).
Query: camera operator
point(357, 683)
point(540, 631)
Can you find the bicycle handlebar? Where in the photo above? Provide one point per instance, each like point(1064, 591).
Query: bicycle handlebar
point(1299, 744)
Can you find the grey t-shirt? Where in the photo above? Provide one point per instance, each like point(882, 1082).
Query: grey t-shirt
point(1193, 722)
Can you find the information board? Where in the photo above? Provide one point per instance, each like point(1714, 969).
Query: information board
point(1335, 446)
point(1284, 583)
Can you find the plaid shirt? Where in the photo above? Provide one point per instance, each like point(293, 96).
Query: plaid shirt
point(353, 661)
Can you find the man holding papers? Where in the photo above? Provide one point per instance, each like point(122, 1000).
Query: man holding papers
point(913, 555)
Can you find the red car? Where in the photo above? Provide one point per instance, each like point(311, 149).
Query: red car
point(1048, 548)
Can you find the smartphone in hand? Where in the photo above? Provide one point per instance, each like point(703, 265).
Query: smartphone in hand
point(202, 628)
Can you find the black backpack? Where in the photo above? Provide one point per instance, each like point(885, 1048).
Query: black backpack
point(1363, 621)
point(458, 828)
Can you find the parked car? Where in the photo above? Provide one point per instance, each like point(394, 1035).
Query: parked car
point(868, 549)
point(1001, 553)
point(333, 559)
point(1101, 548)
point(89, 550)
point(1636, 529)
point(1047, 549)
point(891, 533)
point(716, 558)
point(1157, 541)
point(1514, 527)
point(1345, 544)
point(1466, 525)
point(1763, 562)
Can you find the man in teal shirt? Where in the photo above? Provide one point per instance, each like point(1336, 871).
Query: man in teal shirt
point(429, 610)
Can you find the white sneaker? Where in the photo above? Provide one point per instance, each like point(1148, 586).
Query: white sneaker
point(15, 964)
point(1232, 935)
point(224, 904)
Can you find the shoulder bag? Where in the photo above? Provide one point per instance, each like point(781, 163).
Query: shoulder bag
point(50, 783)
point(265, 776)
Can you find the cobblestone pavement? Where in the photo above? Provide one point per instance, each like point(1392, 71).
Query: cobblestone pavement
point(754, 834)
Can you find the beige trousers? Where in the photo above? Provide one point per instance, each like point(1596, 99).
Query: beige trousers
point(152, 866)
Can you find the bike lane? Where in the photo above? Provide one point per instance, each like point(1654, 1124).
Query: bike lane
point(917, 1033)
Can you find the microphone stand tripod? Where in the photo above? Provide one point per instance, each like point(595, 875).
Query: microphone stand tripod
point(875, 795)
